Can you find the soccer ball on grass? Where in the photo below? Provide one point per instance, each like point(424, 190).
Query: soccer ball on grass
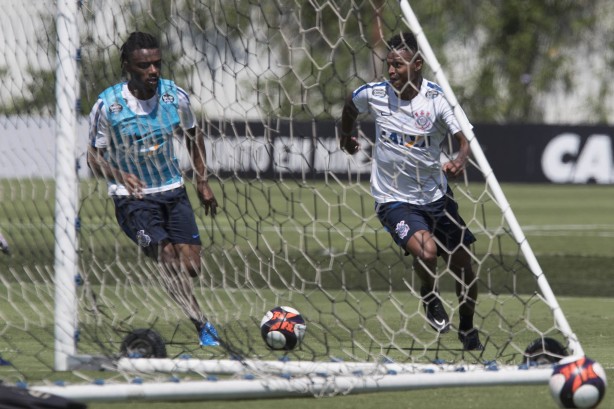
point(282, 328)
point(578, 382)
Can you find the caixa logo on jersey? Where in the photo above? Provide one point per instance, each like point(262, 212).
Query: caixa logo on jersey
point(570, 158)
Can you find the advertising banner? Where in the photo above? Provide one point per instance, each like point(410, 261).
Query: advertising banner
point(309, 150)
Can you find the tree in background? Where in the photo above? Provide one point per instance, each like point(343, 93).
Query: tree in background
point(307, 55)
point(100, 61)
point(100, 64)
point(297, 59)
point(525, 48)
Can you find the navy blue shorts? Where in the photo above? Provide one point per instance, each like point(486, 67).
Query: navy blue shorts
point(159, 217)
point(440, 218)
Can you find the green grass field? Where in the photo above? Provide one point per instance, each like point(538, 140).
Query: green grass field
point(570, 229)
point(586, 315)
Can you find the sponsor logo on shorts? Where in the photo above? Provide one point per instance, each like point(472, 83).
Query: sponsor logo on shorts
point(402, 229)
point(143, 238)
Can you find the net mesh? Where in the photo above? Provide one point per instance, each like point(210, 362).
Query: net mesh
point(296, 225)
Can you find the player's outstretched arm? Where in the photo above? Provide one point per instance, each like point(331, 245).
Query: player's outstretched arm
point(102, 168)
point(349, 141)
point(196, 146)
point(456, 166)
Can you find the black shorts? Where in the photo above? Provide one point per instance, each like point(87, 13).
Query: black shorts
point(440, 218)
point(156, 218)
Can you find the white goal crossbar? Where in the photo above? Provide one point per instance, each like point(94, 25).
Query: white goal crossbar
point(297, 368)
point(318, 383)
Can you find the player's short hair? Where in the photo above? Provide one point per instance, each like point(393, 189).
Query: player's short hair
point(137, 41)
point(406, 40)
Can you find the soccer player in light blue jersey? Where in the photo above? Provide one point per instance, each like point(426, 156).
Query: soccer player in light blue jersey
point(134, 127)
point(409, 183)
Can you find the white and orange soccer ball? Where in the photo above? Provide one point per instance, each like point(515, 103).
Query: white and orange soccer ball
point(578, 382)
point(283, 328)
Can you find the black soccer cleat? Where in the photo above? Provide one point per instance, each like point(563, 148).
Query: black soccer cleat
point(436, 314)
point(470, 340)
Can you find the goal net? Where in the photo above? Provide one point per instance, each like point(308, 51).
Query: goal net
point(83, 308)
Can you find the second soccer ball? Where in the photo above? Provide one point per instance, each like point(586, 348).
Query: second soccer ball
point(578, 382)
point(282, 328)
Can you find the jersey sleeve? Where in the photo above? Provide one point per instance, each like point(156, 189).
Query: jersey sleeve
point(186, 115)
point(99, 126)
point(447, 115)
point(360, 99)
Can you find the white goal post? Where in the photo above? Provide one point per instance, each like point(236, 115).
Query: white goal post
point(67, 185)
point(296, 226)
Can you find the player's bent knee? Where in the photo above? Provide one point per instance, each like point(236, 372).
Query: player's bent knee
point(428, 254)
point(192, 270)
point(167, 253)
point(190, 258)
point(429, 257)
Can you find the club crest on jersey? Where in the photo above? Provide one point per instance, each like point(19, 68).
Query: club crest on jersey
point(379, 92)
point(431, 94)
point(115, 108)
point(401, 229)
point(423, 119)
point(167, 98)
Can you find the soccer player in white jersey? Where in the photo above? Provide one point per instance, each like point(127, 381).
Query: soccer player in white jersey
point(132, 129)
point(409, 183)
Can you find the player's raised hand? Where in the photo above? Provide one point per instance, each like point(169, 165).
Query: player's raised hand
point(454, 168)
point(349, 144)
point(133, 184)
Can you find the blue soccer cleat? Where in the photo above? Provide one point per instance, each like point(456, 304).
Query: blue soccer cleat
point(207, 335)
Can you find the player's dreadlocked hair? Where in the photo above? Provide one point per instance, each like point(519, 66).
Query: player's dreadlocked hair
point(137, 41)
point(406, 40)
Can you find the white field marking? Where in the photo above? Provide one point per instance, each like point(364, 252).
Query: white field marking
point(574, 227)
point(575, 230)
point(599, 230)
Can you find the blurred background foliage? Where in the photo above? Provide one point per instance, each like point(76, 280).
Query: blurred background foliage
point(298, 59)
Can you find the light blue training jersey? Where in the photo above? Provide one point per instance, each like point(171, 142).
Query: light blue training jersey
point(142, 144)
